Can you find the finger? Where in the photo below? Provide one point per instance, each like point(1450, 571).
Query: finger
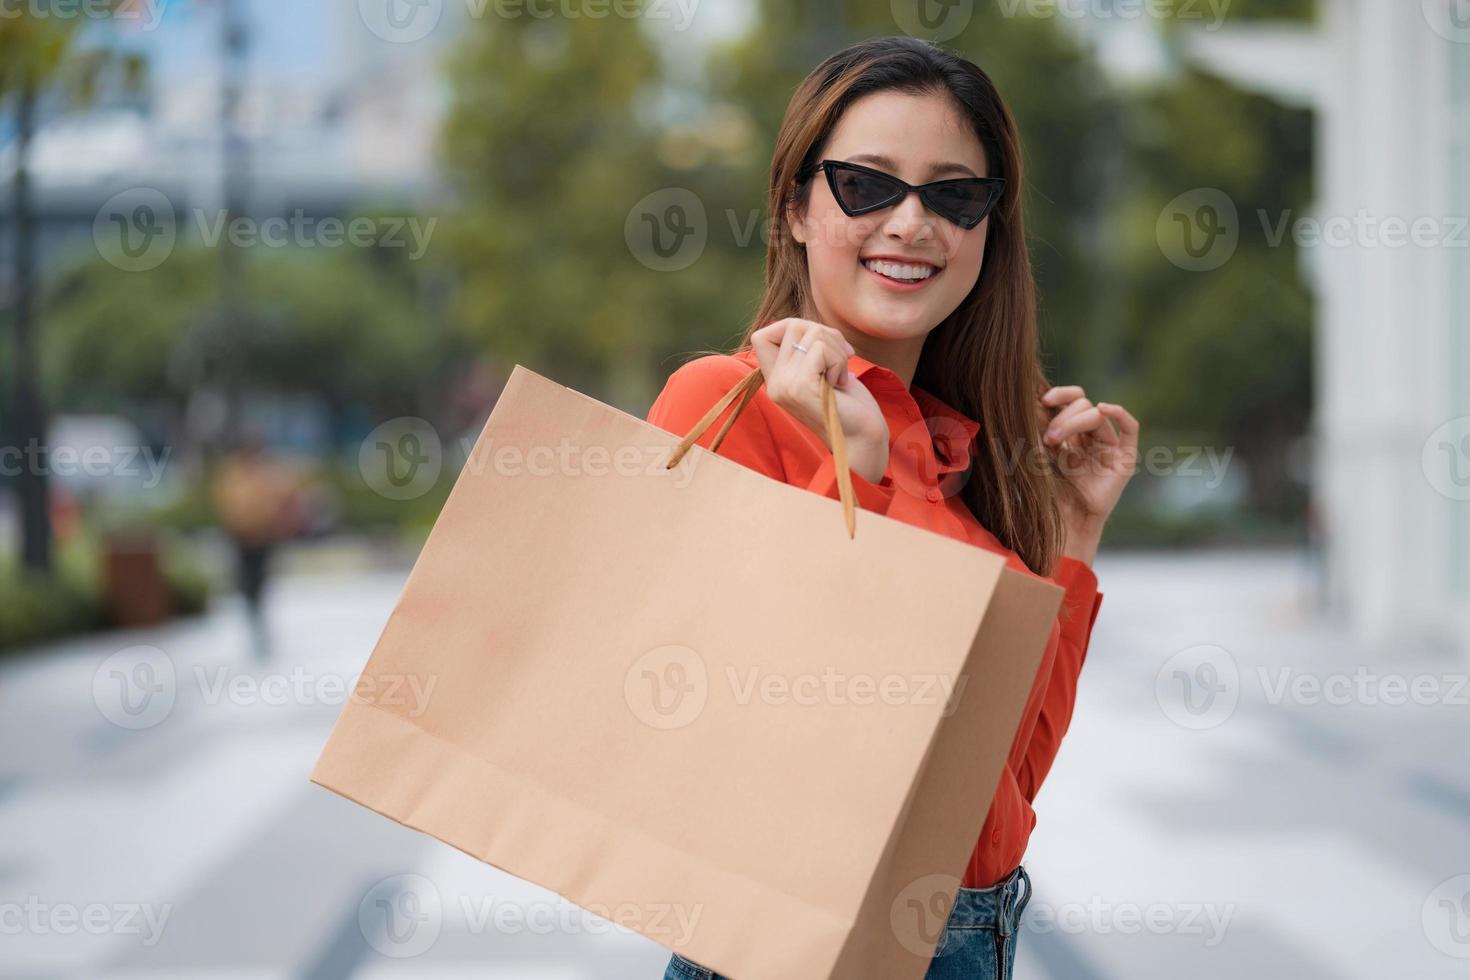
point(1104, 432)
point(798, 331)
point(775, 339)
point(1054, 425)
point(1127, 424)
point(767, 344)
point(822, 358)
point(1054, 432)
point(794, 329)
point(1061, 395)
point(833, 362)
point(843, 349)
point(1101, 430)
point(1086, 423)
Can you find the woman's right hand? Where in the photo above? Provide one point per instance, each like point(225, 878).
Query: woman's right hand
point(792, 382)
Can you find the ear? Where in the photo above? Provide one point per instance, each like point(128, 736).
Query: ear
point(796, 222)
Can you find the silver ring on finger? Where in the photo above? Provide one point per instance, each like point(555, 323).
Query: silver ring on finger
point(798, 346)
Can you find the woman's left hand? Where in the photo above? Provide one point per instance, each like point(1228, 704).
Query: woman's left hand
point(1098, 459)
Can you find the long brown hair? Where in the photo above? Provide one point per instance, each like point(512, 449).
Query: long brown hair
point(984, 358)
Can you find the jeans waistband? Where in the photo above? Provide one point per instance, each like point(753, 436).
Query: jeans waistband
point(998, 907)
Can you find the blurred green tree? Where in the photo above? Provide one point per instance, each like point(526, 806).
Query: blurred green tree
point(1220, 356)
point(341, 325)
point(557, 134)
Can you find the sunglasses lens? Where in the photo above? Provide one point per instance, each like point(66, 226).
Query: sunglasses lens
point(858, 191)
point(963, 201)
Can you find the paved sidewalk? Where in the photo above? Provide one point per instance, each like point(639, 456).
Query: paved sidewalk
point(1177, 835)
point(1307, 820)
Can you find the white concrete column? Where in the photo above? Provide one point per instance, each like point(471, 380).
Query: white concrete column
point(1383, 337)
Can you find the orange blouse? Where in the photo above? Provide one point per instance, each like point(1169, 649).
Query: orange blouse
point(929, 452)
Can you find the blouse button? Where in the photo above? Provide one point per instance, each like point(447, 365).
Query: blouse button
point(995, 838)
point(934, 496)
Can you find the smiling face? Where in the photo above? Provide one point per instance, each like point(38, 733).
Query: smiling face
point(917, 138)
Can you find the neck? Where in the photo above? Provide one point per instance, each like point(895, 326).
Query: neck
point(899, 355)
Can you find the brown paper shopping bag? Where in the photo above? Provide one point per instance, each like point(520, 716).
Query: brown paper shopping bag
point(689, 700)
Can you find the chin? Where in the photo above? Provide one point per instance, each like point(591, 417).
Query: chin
point(893, 322)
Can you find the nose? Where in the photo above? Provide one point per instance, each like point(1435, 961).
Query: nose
point(909, 220)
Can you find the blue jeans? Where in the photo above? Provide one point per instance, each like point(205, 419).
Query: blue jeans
point(979, 940)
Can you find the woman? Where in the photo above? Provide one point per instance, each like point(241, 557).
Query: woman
point(899, 270)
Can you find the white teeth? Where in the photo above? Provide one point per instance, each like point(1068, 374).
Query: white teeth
point(894, 270)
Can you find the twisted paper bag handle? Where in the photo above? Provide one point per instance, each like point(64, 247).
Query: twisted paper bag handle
point(745, 391)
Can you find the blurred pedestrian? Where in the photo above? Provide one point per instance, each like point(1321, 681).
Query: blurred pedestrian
point(259, 503)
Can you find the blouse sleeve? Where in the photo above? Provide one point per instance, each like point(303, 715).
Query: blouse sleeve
point(1080, 606)
point(694, 387)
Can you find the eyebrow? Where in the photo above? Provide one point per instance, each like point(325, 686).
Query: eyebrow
point(887, 163)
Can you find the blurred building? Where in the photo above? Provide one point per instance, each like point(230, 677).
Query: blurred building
point(331, 118)
point(1388, 247)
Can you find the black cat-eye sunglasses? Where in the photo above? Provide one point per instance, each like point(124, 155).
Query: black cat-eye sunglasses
point(858, 189)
